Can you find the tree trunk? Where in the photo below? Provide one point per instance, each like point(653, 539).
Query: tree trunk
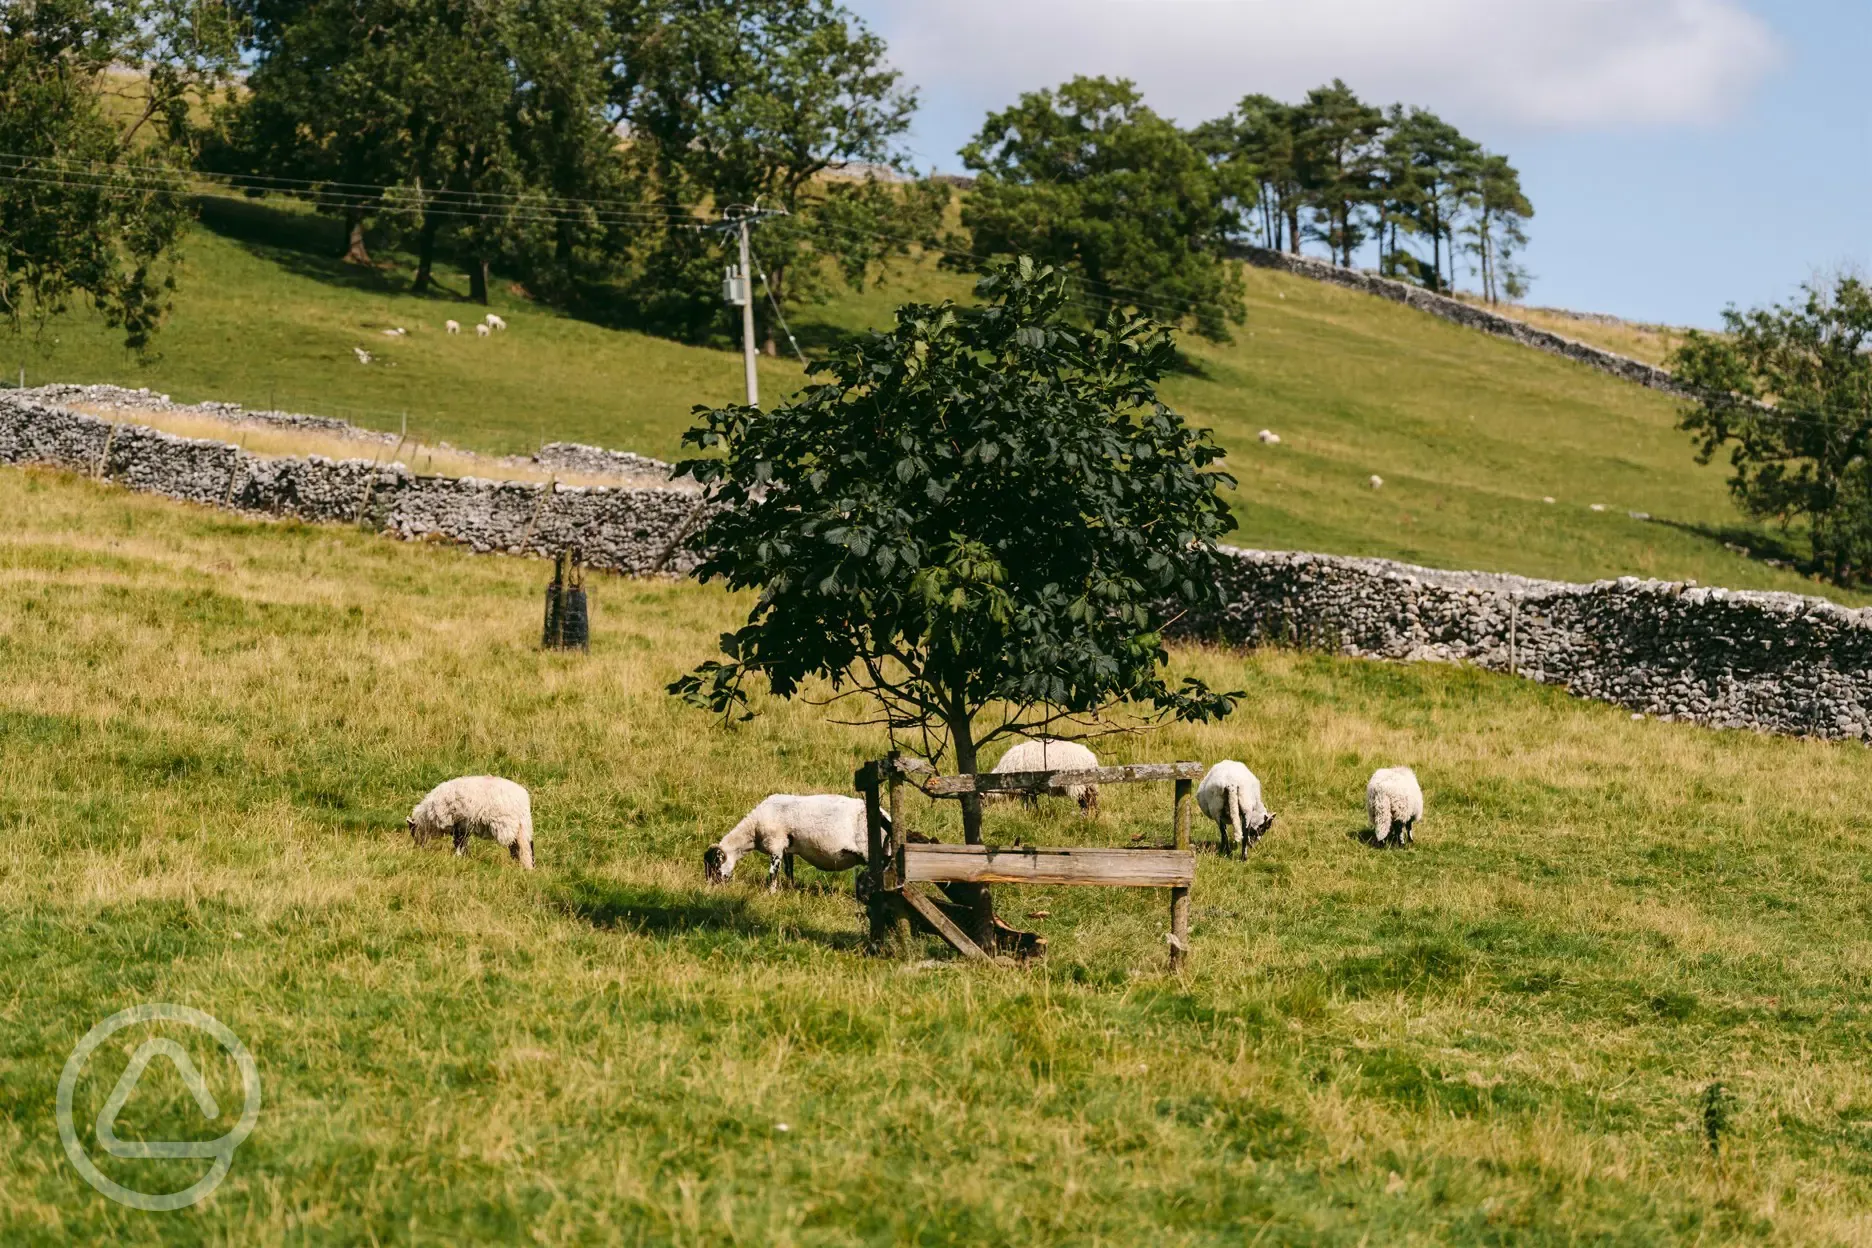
point(478, 280)
point(1293, 228)
point(355, 252)
point(977, 897)
point(425, 253)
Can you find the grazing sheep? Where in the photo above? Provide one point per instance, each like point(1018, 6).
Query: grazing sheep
point(1269, 437)
point(1394, 803)
point(495, 322)
point(1231, 795)
point(363, 356)
point(482, 331)
point(825, 829)
point(453, 327)
point(398, 332)
point(1049, 755)
point(1598, 507)
point(1377, 482)
point(477, 806)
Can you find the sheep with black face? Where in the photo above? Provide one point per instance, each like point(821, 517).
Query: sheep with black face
point(826, 829)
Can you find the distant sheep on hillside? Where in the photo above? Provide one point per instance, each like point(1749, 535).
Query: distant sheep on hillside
point(484, 806)
point(1269, 437)
point(453, 327)
point(481, 330)
point(495, 322)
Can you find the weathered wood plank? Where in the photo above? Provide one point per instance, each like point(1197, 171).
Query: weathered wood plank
point(987, 864)
point(1181, 815)
point(1038, 781)
point(933, 915)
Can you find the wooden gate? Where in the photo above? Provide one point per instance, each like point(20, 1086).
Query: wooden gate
point(892, 879)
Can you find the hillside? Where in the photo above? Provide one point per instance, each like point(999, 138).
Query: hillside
point(1469, 433)
point(211, 728)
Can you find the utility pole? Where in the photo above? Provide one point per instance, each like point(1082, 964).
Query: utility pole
point(738, 286)
point(747, 317)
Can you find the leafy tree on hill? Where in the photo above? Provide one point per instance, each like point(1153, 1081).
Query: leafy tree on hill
point(1438, 164)
point(1497, 227)
point(973, 521)
point(751, 104)
point(1254, 145)
point(1788, 390)
point(91, 204)
point(1336, 142)
point(1090, 180)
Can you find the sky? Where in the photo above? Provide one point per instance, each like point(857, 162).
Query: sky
point(1681, 155)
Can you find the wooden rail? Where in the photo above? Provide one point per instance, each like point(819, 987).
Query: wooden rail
point(986, 864)
point(1038, 781)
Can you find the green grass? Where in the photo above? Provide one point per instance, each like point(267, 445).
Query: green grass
point(211, 727)
point(1468, 432)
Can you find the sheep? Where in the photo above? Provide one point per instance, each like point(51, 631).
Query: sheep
point(1377, 482)
point(1394, 803)
point(1269, 437)
point(452, 327)
point(398, 332)
point(1049, 755)
point(488, 806)
point(826, 829)
point(495, 322)
point(363, 356)
point(482, 331)
point(1230, 794)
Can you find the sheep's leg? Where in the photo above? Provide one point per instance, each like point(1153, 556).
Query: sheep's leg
point(1410, 831)
point(773, 873)
point(786, 866)
point(461, 842)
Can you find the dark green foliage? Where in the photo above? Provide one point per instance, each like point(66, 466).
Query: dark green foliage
point(1088, 179)
point(750, 104)
point(1789, 390)
point(982, 508)
point(1716, 1101)
point(91, 206)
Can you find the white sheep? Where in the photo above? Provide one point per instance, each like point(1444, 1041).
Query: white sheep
point(1049, 755)
point(825, 829)
point(1394, 803)
point(1377, 482)
point(1269, 437)
point(495, 322)
point(398, 332)
point(453, 327)
point(482, 331)
point(363, 356)
point(1230, 794)
point(486, 806)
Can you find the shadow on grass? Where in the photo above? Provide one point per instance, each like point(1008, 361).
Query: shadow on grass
point(1751, 543)
point(307, 244)
point(651, 910)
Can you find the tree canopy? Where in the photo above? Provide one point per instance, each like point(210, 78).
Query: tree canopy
point(1088, 179)
point(91, 203)
point(977, 520)
point(1788, 390)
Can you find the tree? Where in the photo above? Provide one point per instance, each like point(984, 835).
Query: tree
point(92, 204)
point(1252, 151)
point(1091, 181)
point(1789, 390)
point(1336, 149)
point(1441, 171)
point(1496, 228)
point(751, 103)
point(974, 521)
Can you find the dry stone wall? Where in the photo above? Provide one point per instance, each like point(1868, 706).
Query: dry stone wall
point(623, 529)
point(1776, 662)
point(1465, 314)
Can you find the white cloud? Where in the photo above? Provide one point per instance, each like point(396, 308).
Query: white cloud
point(1568, 64)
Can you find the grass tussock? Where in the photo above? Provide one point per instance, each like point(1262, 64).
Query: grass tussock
point(211, 728)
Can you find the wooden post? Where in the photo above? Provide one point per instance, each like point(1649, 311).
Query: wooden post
point(899, 919)
point(877, 905)
point(1180, 897)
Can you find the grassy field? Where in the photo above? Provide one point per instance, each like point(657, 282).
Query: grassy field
point(1469, 433)
point(211, 727)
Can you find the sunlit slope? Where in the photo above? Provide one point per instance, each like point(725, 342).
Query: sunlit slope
point(1469, 433)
